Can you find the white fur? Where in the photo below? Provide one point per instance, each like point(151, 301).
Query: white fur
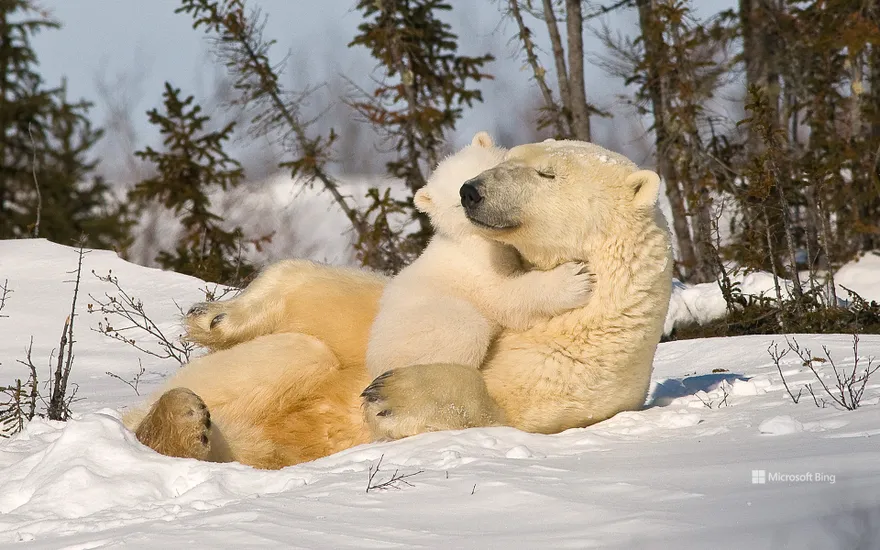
point(451, 302)
point(555, 202)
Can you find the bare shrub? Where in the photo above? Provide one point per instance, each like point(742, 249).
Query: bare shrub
point(4, 294)
point(22, 397)
point(135, 322)
point(848, 386)
point(20, 403)
point(59, 400)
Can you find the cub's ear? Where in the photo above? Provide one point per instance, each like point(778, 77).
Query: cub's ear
point(483, 139)
point(645, 187)
point(422, 200)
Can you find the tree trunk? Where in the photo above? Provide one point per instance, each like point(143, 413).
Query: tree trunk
point(653, 40)
point(759, 46)
point(559, 60)
point(580, 111)
point(4, 163)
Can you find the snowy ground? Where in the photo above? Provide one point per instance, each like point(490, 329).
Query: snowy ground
point(678, 474)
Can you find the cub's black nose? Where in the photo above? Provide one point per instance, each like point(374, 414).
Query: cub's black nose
point(470, 195)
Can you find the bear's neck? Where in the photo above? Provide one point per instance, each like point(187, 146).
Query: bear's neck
point(633, 269)
point(634, 273)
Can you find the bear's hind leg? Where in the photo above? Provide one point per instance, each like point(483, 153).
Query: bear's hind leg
point(178, 425)
point(428, 398)
point(256, 311)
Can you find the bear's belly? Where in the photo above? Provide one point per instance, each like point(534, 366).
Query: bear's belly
point(551, 384)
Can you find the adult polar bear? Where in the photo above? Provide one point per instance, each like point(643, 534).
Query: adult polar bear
point(285, 385)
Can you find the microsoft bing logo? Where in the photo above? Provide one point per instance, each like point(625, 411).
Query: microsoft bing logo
point(762, 477)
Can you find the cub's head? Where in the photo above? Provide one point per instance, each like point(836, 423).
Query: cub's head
point(557, 199)
point(439, 198)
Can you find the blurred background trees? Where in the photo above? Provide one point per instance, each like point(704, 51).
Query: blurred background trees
point(48, 184)
point(763, 119)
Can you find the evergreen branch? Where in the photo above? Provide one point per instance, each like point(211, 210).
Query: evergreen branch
point(239, 44)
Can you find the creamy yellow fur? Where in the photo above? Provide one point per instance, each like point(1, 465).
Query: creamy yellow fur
point(282, 398)
point(285, 395)
point(336, 305)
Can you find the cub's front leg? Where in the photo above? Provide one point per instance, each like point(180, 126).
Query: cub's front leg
point(521, 301)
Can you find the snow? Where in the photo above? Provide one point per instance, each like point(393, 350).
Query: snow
point(720, 456)
point(780, 425)
point(861, 276)
point(701, 303)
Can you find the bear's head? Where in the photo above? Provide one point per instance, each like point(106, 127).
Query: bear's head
point(553, 198)
point(439, 198)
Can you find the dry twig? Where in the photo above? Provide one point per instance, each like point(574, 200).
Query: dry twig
point(395, 482)
point(134, 317)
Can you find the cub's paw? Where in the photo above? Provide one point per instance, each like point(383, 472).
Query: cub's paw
point(427, 398)
point(178, 424)
point(571, 285)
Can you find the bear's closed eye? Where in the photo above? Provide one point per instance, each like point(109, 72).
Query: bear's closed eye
point(546, 174)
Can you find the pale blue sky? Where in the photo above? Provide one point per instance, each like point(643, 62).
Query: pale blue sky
point(127, 38)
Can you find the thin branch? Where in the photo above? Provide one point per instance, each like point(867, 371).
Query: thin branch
point(397, 479)
point(59, 402)
point(240, 45)
point(134, 382)
point(36, 183)
point(4, 294)
point(777, 356)
point(132, 310)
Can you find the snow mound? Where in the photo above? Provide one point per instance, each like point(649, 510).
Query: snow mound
point(861, 276)
point(64, 467)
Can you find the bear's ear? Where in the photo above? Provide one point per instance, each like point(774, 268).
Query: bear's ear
point(422, 200)
point(483, 139)
point(645, 187)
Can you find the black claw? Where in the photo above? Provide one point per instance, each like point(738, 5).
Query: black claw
point(198, 309)
point(372, 392)
point(217, 319)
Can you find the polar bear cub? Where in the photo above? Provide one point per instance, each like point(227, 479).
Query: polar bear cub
point(451, 302)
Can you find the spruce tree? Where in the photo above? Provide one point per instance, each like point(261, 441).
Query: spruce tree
point(421, 95)
point(193, 165)
point(78, 202)
point(47, 186)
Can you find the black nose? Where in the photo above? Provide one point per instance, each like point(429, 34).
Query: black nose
point(470, 195)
